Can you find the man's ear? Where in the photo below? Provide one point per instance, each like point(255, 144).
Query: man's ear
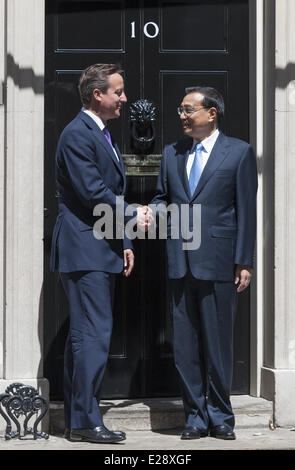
point(213, 114)
point(96, 94)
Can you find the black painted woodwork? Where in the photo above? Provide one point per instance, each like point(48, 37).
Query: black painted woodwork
point(201, 42)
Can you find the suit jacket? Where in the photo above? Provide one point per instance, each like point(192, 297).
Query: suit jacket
point(88, 173)
point(227, 194)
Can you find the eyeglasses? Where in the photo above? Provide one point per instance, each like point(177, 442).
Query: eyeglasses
point(188, 111)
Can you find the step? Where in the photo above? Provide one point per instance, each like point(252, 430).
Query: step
point(164, 413)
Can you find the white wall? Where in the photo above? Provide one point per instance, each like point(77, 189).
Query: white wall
point(278, 373)
point(2, 173)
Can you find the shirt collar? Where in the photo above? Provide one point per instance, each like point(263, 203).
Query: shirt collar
point(209, 142)
point(95, 118)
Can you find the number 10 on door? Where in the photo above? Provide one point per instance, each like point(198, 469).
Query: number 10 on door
point(150, 30)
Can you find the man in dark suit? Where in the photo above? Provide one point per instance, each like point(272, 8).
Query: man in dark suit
point(89, 171)
point(219, 174)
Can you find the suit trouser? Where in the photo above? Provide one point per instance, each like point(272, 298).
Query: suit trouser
point(203, 318)
point(90, 295)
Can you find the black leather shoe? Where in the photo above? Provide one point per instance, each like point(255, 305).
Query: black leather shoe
point(222, 432)
point(67, 434)
point(100, 434)
point(191, 432)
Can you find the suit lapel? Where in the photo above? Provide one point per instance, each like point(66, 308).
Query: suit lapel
point(218, 154)
point(121, 164)
point(182, 162)
point(103, 141)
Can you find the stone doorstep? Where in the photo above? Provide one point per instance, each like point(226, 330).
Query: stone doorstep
point(165, 413)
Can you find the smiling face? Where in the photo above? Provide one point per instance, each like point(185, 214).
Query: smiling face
point(200, 123)
point(110, 101)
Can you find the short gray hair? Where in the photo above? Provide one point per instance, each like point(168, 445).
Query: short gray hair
point(95, 76)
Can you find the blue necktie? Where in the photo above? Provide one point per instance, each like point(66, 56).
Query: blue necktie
point(196, 169)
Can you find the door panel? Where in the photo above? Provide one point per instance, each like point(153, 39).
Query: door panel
point(192, 18)
point(79, 26)
point(163, 47)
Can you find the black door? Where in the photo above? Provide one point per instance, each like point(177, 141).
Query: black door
point(163, 47)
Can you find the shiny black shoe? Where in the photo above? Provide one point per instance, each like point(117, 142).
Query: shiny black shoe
point(67, 433)
point(100, 435)
point(191, 432)
point(222, 432)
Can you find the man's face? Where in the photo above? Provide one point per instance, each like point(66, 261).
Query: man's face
point(111, 101)
point(197, 123)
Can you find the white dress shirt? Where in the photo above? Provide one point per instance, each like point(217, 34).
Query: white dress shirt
point(208, 145)
point(99, 123)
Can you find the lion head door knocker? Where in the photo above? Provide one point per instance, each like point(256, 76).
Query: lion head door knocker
point(142, 117)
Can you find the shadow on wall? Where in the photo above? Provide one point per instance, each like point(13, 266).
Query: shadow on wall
point(285, 76)
point(24, 77)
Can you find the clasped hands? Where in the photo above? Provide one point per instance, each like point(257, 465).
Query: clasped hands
point(145, 218)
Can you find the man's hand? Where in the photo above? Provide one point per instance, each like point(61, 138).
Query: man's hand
point(128, 262)
point(144, 218)
point(242, 277)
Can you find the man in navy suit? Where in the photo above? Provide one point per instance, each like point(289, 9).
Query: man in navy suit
point(89, 171)
point(219, 174)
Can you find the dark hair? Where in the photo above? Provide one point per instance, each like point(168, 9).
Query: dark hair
point(95, 76)
point(212, 98)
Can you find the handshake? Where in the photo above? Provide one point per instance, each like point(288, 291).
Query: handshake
point(144, 218)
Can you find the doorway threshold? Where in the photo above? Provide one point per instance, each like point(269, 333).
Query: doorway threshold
point(165, 413)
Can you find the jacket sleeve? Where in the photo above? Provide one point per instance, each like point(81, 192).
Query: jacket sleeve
point(161, 199)
point(161, 196)
point(246, 189)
